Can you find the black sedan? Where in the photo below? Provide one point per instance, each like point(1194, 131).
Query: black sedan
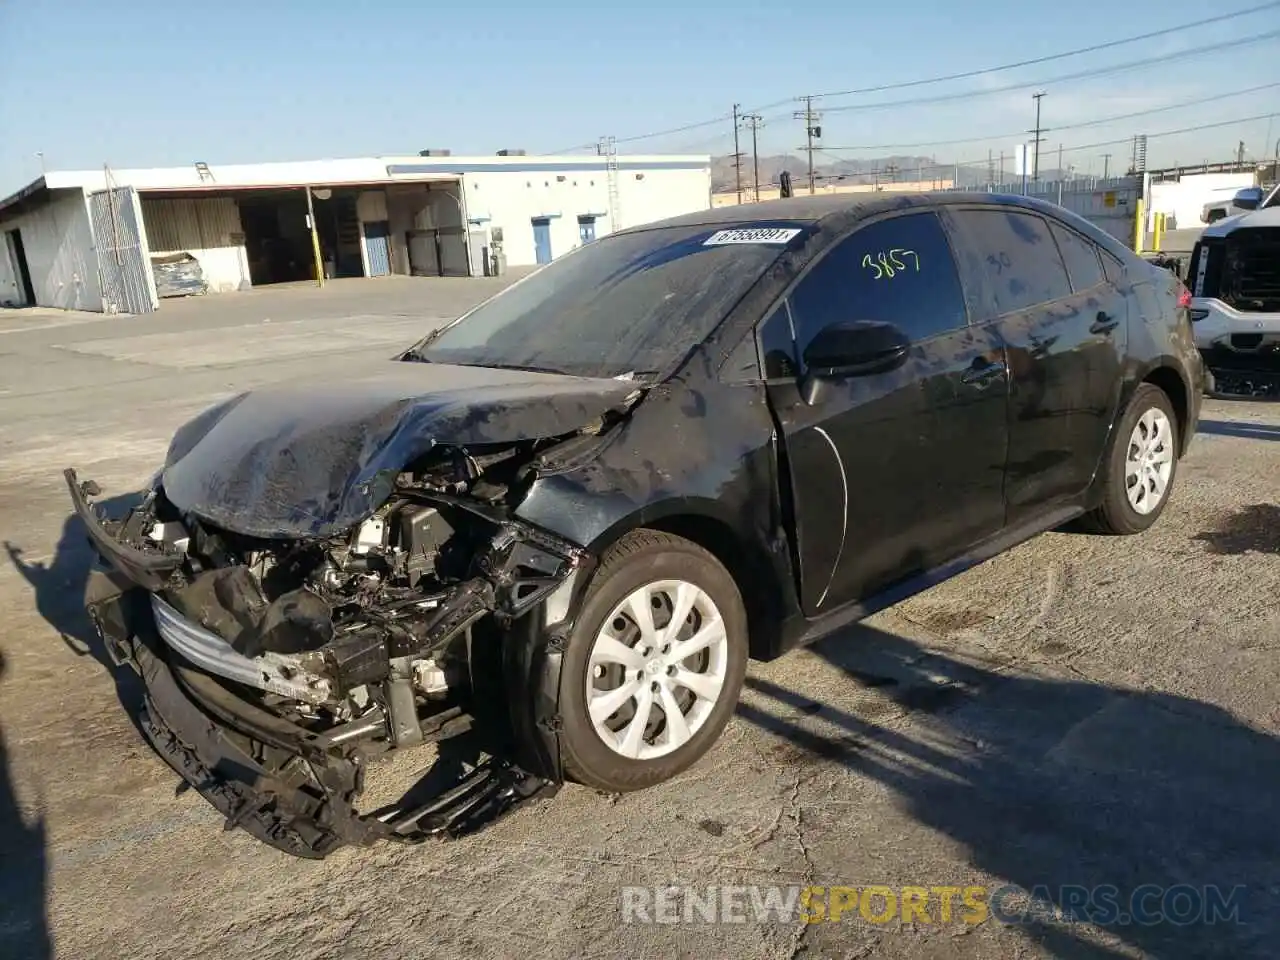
point(572, 515)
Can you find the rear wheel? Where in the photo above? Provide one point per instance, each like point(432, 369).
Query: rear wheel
point(654, 665)
point(1140, 466)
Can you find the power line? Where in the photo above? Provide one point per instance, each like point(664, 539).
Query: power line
point(1108, 45)
point(1161, 60)
point(1217, 124)
point(1127, 141)
point(720, 118)
point(1102, 121)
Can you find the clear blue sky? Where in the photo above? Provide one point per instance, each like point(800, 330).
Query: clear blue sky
point(145, 83)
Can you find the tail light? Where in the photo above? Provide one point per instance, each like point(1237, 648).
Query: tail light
point(1184, 295)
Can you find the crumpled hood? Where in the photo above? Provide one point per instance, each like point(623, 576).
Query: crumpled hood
point(314, 458)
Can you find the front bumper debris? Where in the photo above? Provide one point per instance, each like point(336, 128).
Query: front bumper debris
point(285, 786)
point(295, 787)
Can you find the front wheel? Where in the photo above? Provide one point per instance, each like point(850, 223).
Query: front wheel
point(1140, 466)
point(654, 665)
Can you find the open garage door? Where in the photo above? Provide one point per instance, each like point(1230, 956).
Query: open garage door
point(122, 265)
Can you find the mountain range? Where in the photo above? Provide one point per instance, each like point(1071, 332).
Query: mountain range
point(884, 170)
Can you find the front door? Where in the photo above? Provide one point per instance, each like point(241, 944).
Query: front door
point(1064, 327)
point(377, 239)
point(542, 240)
point(896, 472)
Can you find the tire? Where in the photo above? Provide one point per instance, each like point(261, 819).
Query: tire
point(1117, 514)
point(648, 562)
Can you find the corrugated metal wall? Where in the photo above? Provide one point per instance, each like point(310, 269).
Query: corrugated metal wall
point(209, 229)
point(60, 253)
point(127, 286)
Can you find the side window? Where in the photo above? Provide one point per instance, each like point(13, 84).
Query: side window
point(1113, 268)
point(897, 271)
point(1021, 260)
point(1081, 258)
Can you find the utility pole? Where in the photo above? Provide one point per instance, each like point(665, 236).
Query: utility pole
point(1059, 161)
point(737, 152)
point(991, 169)
point(1035, 163)
point(1001, 166)
point(812, 129)
point(754, 121)
point(1240, 153)
point(1106, 165)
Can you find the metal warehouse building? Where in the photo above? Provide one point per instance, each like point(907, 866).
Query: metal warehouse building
point(121, 240)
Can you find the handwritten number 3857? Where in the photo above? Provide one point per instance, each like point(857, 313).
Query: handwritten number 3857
point(888, 264)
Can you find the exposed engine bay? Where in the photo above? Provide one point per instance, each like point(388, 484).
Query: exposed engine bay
point(344, 647)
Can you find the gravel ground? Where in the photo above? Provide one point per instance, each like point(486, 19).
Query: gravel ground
point(1078, 712)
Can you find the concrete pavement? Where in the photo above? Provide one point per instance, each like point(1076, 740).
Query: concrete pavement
point(1081, 711)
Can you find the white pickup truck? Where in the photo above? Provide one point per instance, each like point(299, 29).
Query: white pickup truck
point(1241, 201)
point(1234, 278)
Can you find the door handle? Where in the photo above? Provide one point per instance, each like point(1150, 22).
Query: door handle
point(1104, 323)
point(982, 372)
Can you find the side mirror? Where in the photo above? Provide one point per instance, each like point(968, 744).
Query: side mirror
point(1248, 198)
point(852, 349)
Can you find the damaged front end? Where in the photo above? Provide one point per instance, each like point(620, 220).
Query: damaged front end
point(277, 668)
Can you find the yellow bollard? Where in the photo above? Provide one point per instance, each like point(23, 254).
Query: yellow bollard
point(1158, 238)
point(1140, 226)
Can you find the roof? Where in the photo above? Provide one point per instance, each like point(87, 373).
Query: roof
point(845, 206)
point(357, 170)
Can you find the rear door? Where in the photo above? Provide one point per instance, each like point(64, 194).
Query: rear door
point(1064, 327)
point(890, 473)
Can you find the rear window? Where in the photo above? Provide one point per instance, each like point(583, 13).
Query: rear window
point(1021, 260)
point(626, 304)
point(1081, 258)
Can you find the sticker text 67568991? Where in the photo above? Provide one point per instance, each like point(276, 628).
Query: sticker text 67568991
point(889, 263)
point(776, 235)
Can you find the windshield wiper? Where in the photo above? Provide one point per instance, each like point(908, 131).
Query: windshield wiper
point(527, 368)
point(414, 354)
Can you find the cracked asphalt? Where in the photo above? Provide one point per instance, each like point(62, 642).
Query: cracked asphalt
point(1080, 712)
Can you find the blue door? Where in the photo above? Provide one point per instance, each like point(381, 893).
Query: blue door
point(542, 239)
point(586, 229)
point(377, 235)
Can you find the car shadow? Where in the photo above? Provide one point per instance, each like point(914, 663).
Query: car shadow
point(1057, 785)
point(59, 583)
point(24, 925)
point(58, 586)
point(1239, 428)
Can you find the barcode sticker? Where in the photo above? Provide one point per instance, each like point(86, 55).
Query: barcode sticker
point(778, 235)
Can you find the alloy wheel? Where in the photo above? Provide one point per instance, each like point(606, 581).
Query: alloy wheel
point(1149, 461)
point(656, 669)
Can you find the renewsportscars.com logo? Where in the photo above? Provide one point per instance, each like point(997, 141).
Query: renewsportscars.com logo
point(1104, 905)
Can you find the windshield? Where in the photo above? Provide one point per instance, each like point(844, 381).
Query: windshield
point(632, 303)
